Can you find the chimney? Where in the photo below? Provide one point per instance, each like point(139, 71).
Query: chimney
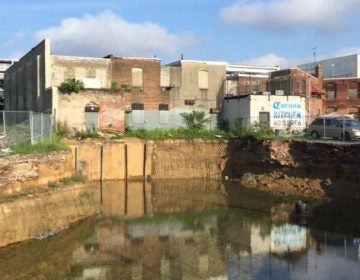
point(319, 71)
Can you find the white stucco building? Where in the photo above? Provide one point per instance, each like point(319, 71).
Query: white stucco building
point(279, 112)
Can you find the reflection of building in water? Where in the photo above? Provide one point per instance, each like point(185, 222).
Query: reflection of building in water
point(154, 249)
point(179, 240)
point(258, 249)
point(136, 198)
point(183, 247)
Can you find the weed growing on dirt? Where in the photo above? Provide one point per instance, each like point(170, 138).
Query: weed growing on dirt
point(41, 147)
point(77, 178)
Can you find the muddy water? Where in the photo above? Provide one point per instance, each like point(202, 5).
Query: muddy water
point(189, 230)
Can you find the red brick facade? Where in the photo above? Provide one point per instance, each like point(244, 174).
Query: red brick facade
point(342, 96)
point(150, 93)
point(300, 83)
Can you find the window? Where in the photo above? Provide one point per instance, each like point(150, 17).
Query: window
point(137, 114)
point(353, 93)
point(137, 106)
point(203, 79)
point(264, 118)
point(136, 77)
point(163, 107)
point(164, 113)
point(330, 91)
point(189, 101)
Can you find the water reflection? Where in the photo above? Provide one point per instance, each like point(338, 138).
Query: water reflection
point(189, 230)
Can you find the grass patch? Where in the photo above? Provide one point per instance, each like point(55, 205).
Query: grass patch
point(52, 186)
point(84, 134)
point(73, 179)
point(42, 147)
point(176, 133)
point(257, 132)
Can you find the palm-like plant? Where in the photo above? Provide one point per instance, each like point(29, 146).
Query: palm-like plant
point(195, 120)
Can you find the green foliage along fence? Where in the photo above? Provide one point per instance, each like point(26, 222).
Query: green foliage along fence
point(18, 127)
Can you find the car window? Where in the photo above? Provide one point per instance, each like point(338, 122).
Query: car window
point(328, 122)
point(317, 122)
point(352, 123)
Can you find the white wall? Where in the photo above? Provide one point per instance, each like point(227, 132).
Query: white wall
point(248, 109)
point(236, 109)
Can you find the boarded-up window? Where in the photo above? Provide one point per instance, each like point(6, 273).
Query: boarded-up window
point(353, 93)
point(330, 91)
point(138, 116)
point(264, 118)
point(330, 95)
point(164, 117)
point(203, 79)
point(137, 77)
point(137, 113)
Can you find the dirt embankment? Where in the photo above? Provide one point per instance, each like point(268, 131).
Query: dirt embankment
point(293, 167)
point(26, 173)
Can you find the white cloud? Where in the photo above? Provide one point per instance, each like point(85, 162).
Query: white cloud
point(288, 15)
point(346, 51)
point(107, 33)
point(270, 60)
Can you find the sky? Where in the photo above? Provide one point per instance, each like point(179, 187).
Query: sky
point(259, 32)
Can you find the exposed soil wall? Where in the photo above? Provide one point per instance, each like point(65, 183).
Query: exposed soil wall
point(30, 209)
point(25, 173)
point(304, 167)
point(42, 214)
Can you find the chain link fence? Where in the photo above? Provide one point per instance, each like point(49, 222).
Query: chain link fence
point(17, 127)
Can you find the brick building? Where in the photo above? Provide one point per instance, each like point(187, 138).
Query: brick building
point(300, 83)
point(247, 79)
point(342, 96)
point(118, 90)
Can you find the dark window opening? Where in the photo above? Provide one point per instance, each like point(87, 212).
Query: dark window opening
point(163, 107)
point(137, 106)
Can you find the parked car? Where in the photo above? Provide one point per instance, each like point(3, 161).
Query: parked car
point(334, 127)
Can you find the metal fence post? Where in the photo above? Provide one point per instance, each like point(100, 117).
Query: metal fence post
point(4, 123)
point(31, 122)
point(343, 138)
point(41, 127)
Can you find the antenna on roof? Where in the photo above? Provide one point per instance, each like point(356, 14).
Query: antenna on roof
point(314, 53)
point(182, 56)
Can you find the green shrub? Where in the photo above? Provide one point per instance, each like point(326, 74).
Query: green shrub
point(195, 120)
point(71, 85)
point(257, 131)
point(62, 129)
point(125, 88)
point(84, 134)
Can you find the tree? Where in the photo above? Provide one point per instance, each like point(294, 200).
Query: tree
point(71, 85)
point(195, 120)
